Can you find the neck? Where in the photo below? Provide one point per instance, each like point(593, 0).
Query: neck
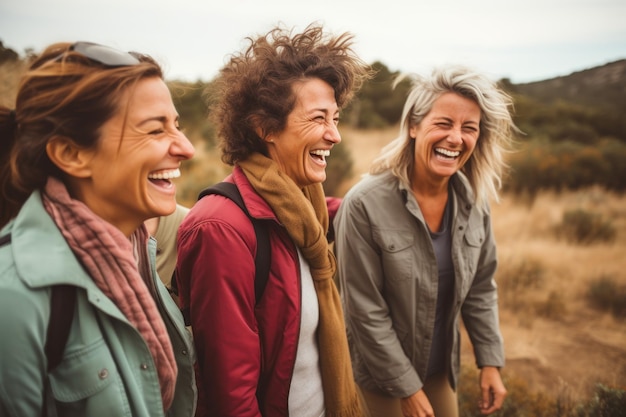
point(432, 198)
point(427, 188)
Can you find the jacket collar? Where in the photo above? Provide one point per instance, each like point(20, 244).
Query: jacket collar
point(462, 188)
point(42, 256)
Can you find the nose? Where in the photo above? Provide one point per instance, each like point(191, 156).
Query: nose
point(455, 136)
point(182, 147)
point(332, 133)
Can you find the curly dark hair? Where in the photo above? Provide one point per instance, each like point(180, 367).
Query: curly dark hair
point(253, 91)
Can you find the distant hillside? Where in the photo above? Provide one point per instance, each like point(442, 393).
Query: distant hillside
point(602, 87)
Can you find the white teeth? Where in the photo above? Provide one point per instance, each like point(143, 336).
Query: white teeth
point(321, 152)
point(451, 154)
point(167, 175)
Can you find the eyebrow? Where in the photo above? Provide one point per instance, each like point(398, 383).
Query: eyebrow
point(448, 119)
point(161, 119)
point(325, 111)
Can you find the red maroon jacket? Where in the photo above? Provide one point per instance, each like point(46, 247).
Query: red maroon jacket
point(243, 351)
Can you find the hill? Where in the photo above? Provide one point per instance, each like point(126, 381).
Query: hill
point(602, 87)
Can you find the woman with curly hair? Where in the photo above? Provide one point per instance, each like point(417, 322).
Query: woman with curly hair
point(277, 107)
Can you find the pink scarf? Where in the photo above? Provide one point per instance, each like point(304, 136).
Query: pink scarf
point(109, 258)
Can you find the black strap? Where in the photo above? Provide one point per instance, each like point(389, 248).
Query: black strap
point(263, 251)
point(62, 303)
point(61, 314)
point(5, 240)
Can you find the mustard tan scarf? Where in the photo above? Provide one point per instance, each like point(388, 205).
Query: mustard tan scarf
point(304, 214)
point(109, 258)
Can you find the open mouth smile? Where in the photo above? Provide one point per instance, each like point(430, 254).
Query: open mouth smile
point(446, 154)
point(320, 155)
point(163, 178)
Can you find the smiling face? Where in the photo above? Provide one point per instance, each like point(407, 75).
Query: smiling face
point(302, 147)
point(445, 138)
point(138, 153)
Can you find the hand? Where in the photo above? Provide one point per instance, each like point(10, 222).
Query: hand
point(492, 389)
point(417, 405)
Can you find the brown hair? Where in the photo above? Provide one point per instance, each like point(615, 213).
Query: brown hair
point(62, 93)
point(253, 91)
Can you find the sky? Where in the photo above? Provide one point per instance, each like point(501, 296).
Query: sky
point(523, 40)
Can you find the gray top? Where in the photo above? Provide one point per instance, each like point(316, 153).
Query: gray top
point(442, 244)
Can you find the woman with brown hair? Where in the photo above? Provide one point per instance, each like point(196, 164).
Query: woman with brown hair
point(277, 107)
point(88, 155)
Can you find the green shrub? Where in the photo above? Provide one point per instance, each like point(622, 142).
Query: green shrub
point(525, 273)
point(520, 275)
point(522, 401)
point(553, 307)
point(606, 402)
point(605, 294)
point(541, 164)
point(339, 168)
point(584, 227)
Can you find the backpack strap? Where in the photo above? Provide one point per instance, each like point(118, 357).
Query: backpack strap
point(263, 251)
point(5, 240)
point(61, 314)
point(62, 303)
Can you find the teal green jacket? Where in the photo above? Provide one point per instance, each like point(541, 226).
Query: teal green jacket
point(107, 369)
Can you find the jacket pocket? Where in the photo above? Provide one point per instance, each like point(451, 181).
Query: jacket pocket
point(474, 239)
point(396, 253)
point(87, 382)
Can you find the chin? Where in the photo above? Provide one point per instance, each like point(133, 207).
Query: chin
point(316, 179)
point(164, 209)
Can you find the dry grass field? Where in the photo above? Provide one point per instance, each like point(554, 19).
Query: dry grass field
point(554, 340)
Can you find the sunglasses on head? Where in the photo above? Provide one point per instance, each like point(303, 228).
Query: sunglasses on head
point(103, 54)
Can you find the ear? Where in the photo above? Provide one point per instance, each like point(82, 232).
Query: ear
point(71, 158)
point(413, 131)
point(256, 125)
point(265, 138)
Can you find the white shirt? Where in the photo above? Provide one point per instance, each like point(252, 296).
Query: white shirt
point(306, 397)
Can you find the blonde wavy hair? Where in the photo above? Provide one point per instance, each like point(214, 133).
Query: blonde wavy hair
point(485, 167)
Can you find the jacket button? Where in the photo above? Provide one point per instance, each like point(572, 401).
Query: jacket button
point(103, 374)
point(143, 366)
point(392, 247)
point(184, 352)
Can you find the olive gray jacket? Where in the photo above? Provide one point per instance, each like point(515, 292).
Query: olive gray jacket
point(388, 276)
point(107, 368)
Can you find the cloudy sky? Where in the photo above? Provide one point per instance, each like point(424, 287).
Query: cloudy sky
point(524, 40)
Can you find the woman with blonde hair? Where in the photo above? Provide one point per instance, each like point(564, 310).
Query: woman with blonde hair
point(416, 251)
